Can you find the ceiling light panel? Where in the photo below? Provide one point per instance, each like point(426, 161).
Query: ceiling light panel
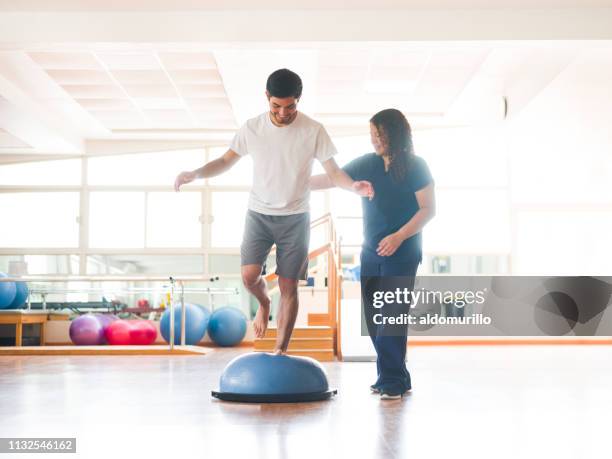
point(196, 76)
point(150, 90)
point(125, 77)
point(213, 104)
point(343, 73)
point(80, 77)
point(188, 61)
point(167, 115)
point(398, 58)
point(201, 90)
point(108, 91)
point(65, 61)
point(105, 104)
point(215, 123)
point(130, 61)
point(116, 115)
point(159, 103)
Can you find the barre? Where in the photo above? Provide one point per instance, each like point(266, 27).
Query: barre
point(171, 279)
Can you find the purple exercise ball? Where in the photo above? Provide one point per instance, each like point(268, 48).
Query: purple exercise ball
point(87, 330)
point(105, 320)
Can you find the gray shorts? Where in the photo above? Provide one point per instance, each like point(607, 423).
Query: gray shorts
point(290, 233)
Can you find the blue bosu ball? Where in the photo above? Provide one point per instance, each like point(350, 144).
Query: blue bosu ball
point(267, 378)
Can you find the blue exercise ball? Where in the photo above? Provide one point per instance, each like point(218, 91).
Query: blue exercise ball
point(8, 290)
point(267, 378)
point(227, 326)
point(21, 295)
point(196, 322)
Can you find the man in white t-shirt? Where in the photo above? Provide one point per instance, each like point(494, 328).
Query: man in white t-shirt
point(283, 144)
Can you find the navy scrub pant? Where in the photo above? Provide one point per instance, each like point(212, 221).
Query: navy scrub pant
point(393, 376)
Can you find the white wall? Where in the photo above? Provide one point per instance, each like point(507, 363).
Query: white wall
point(560, 148)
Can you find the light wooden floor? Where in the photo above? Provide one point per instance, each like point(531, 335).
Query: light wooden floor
point(103, 350)
point(468, 402)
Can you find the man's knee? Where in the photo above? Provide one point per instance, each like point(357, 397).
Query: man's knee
point(288, 287)
point(251, 275)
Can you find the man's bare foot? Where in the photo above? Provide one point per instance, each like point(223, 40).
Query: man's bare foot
point(278, 352)
point(260, 324)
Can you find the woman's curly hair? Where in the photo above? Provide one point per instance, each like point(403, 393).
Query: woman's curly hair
point(396, 134)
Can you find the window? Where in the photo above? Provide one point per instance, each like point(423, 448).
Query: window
point(59, 172)
point(47, 219)
point(116, 219)
point(142, 169)
point(229, 209)
point(345, 204)
point(173, 219)
point(226, 264)
point(317, 205)
point(351, 230)
point(144, 264)
point(42, 264)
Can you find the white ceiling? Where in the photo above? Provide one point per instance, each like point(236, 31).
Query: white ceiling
point(141, 90)
point(201, 5)
point(68, 98)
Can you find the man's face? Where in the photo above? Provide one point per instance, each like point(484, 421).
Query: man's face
point(283, 110)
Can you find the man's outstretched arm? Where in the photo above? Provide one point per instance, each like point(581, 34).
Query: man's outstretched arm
point(337, 177)
point(210, 169)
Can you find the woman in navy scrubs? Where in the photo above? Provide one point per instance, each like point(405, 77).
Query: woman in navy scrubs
point(403, 203)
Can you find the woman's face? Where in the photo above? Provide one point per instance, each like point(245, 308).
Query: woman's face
point(377, 140)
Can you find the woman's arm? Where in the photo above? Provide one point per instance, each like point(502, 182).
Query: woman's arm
point(427, 210)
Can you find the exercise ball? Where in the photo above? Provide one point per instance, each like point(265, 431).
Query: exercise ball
point(142, 332)
point(8, 290)
point(21, 295)
point(86, 330)
point(196, 322)
point(105, 320)
point(268, 378)
point(227, 326)
point(118, 333)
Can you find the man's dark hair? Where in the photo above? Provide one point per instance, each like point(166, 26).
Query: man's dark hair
point(284, 83)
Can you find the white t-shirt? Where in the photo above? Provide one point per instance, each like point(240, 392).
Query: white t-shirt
point(282, 161)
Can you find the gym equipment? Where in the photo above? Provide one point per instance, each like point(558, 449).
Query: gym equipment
point(87, 330)
point(8, 290)
point(142, 332)
point(227, 326)
point(267, 378)
point(118, 333)
point(105, 320)
point(143, 303)
point(196, 322)
point(21, 295)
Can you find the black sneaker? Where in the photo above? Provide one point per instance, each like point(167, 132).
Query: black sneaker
point(375, 389)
